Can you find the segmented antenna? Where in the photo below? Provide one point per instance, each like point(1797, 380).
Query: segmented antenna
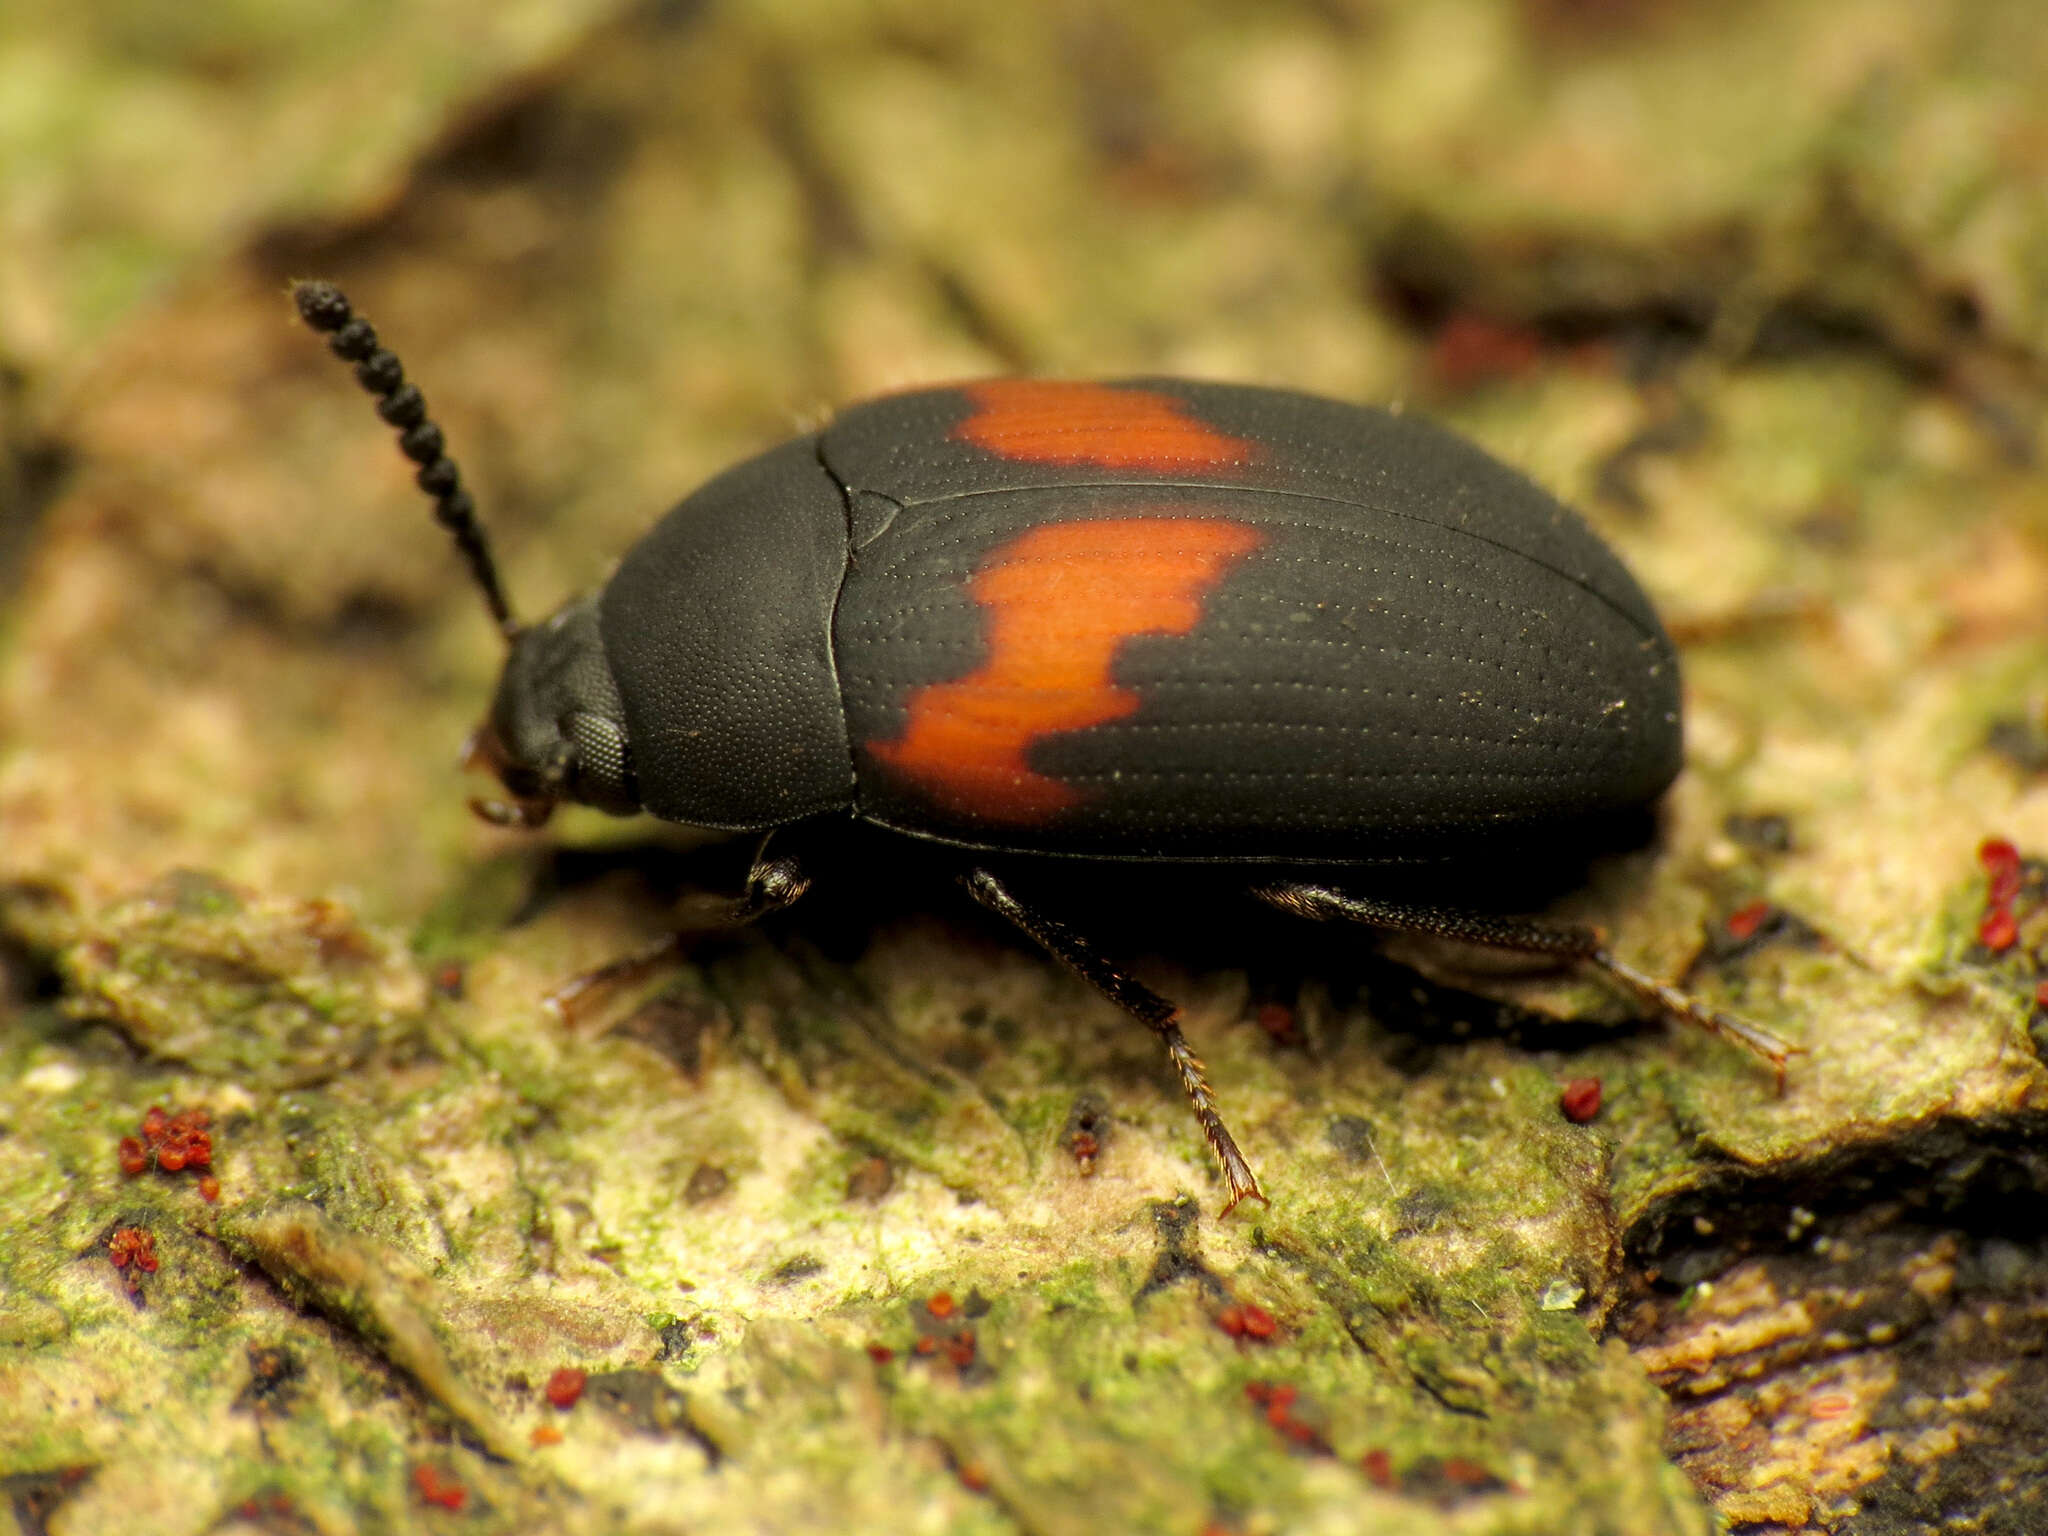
point(326, 309)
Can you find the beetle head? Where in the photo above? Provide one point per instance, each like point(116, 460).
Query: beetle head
point(557, 728)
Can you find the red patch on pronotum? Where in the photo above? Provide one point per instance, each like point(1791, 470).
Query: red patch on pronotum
point(1045, 421)
point(1061, 599)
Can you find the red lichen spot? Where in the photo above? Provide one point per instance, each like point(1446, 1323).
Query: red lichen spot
point(881, 1354)
point(1998, 930)
point(1276, 1398)
point(132, 1250)
point(1277, 1020)
point(449, 979)
point(1744, 921)
point(974, 1476)
point(1047, 421)
point(565, 1386)
point(1061, 599)
point(172, 1142)
point(1468, 1474)
point(1580, 1100)
point(1086, 1130)
point(209, 1188)
point(1246, 1320)
point(1471, 350)
point(1998, 855)
point(1833, 1405)
point(1286, 1412)
point(545, 1434)
point(945, 1330)
point(1450, 1480)
point(438, 1486)
point(2041, 994)
point(1378, 1468)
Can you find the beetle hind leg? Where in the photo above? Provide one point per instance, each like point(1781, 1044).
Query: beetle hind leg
point(1322, 903)
point(1142, 1004)
point(771, 885)
point(573, 1001)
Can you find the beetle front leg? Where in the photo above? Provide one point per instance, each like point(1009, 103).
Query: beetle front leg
point(1322, 903)
point(771, 885)
point(1142, 1004)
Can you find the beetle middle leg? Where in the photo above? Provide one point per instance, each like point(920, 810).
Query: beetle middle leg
point(771, 885)
point(1322, 903)
point(1141, 1003)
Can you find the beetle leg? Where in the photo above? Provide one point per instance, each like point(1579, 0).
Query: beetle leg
point(572, 1001)
point(1323, 903)
point(1141, 1003)
point(771, 885)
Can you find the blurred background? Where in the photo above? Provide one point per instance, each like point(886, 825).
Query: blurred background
point(1762, 289)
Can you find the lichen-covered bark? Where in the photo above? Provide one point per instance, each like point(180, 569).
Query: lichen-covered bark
point(870, 1219)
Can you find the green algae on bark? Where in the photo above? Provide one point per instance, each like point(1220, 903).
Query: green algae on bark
point(267, 991)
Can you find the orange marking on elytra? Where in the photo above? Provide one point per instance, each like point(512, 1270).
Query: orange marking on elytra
point(1061, 599)
point(1047, 421)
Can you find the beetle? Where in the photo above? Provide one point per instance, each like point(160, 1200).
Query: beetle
point(1143, 621)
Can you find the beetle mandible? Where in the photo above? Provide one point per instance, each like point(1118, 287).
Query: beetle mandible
point(1148, 620)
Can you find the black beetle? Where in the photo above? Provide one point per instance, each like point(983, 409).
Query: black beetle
point(1150, 620)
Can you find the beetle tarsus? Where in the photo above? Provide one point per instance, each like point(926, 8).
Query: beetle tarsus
point(1142, 1004)
point(1194, 1081)
point(1324, 903)
point(1760, 1042)
point(772, 884)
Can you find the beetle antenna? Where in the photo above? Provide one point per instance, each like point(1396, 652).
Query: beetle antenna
point(326, 309)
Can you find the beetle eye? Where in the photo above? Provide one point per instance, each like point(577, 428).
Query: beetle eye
point(601, 771)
